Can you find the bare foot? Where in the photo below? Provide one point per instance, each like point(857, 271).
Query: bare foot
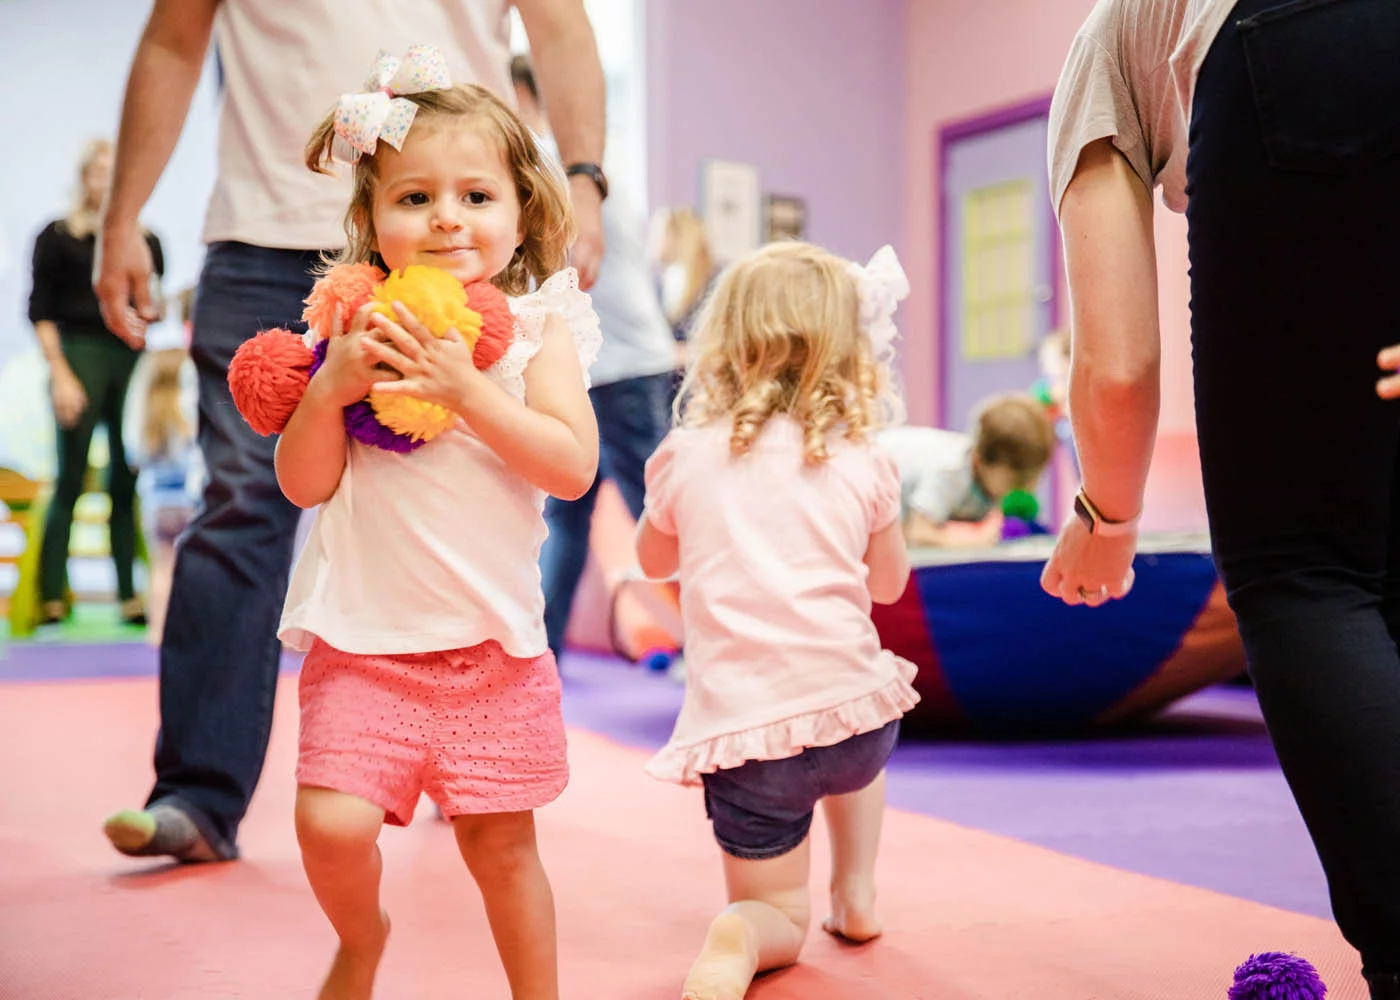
point(726, 964)
point(352, 972)
point(853, 915)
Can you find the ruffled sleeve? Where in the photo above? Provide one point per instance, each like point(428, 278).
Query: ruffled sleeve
point(885, 490)
point(659, 492)
point(560, 294)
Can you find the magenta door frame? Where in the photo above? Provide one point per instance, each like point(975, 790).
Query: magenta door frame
point(943, 139)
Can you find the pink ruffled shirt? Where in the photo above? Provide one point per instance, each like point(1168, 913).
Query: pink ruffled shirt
point(780, 651)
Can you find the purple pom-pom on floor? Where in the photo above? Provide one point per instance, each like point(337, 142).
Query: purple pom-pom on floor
point(361, 423)
point(1273, 975)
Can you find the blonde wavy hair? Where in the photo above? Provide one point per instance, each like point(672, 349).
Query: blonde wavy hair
point(781, 335)
point(546, 214)
point(683, 241)
point(164, 425)
point(84, 218)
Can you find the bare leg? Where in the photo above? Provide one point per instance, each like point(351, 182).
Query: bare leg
point(339, 836)
point(501, 853)
point(854, 823)
point(763, 927)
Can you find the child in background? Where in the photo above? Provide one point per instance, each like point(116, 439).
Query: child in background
point(947, 476)
point(782, 519)
point(418, 593)
point(1052, 388)
point(170, 471)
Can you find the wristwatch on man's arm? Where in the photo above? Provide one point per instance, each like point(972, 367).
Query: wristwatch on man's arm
point(593, 172)
point(1099, 525)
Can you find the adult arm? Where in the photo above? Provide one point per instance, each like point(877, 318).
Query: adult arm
point(164, 73)
point(570, 78)
point(69, 398)
point(1114, 388)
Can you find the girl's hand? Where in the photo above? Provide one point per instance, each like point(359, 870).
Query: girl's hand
point(69, 399)
point(1085, 569)
point(434, 369)
point(1389, 360)
point(349, 369)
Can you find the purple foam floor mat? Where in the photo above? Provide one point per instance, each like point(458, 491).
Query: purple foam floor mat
point(1195, 796)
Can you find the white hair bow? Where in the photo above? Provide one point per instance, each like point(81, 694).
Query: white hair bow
point(361, 120)
point(881, 284)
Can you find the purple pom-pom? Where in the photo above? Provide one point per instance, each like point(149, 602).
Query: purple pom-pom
point(1273, 975)
point(361, 423)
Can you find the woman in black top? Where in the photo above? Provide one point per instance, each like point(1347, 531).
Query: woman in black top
point(90, 370)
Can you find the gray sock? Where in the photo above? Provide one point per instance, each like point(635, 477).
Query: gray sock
point(161, 830)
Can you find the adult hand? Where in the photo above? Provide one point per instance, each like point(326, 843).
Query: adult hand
point(588, 247)
point(1389, 360)
point(69, 399)
point(122, 281)
point(1089, 569)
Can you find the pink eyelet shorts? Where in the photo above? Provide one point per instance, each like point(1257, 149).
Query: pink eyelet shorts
point(478, 730)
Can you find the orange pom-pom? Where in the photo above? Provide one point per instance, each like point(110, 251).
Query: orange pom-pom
point(267, 377)
point(497, 322)
point(344, 288)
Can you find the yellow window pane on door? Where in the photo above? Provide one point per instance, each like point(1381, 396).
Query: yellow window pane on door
point(997, 296)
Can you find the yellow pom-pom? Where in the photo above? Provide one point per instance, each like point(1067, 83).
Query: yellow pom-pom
point(436, 298)
point(415, 418)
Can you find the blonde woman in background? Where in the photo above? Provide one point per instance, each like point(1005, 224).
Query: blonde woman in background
point(89, 372)
point(682, 253)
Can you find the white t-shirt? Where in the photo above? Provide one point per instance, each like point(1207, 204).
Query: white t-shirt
point(1130, 76)
point(285, 63)
point(438, 548)
point(935, 473)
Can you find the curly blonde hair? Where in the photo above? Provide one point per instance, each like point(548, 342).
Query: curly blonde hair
point(546, 214)
point(781, 335)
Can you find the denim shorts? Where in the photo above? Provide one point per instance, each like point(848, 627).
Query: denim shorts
point(763, 808)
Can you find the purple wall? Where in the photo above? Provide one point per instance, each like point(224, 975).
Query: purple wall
point(811, 92)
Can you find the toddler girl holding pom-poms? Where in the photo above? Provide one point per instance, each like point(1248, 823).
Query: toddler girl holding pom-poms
point(417, 594)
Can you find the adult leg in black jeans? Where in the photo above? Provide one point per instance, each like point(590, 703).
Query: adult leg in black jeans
point(633, 416)
point(121, 482)
point(1294, 229)
point(219, 655)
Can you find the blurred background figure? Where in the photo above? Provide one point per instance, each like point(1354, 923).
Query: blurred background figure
point(681, 254)
point(632, 380)
point(89, 373)
point(170, 469)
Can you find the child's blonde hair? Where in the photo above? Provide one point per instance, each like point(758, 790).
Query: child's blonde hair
point(1012, 431)
point(781, 334)
point(164, 426)
point(546, 214)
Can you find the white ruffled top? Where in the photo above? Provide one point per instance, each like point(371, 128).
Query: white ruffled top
point(439, 548)
point(780, 651)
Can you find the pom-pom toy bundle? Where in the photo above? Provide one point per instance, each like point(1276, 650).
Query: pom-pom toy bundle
point(269, 372)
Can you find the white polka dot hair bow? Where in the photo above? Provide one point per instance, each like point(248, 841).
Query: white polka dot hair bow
point(362, 120)
point(881, 284)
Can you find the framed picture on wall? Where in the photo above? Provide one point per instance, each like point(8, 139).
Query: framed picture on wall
point(785, 217)
point(731, 204)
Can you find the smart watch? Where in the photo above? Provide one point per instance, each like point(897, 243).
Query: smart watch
point(593, 172)
point(1099, 525)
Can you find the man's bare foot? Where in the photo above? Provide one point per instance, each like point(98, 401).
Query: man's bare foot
point(853, 915)
point(726, 964)
point(352, 972)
